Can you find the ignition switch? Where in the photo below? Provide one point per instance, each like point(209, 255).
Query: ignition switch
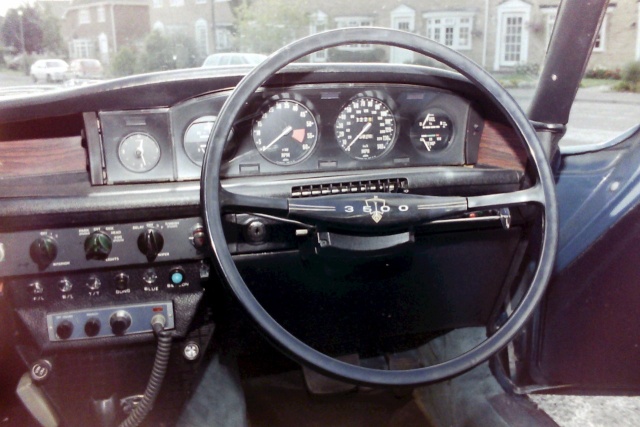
point(255, 231)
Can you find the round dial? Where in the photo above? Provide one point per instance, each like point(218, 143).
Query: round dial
point(432, 131)
point(196, 138)
point(139, 152)
point(365, 128)
point(286, 133)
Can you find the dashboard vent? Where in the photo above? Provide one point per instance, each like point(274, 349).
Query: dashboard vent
point(393, 185)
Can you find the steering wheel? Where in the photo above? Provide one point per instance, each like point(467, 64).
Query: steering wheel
point(405, 210)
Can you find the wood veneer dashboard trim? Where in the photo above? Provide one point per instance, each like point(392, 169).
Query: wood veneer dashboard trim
point(36, 157)
point(500, 147)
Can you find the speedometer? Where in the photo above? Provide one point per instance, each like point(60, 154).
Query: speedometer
point(365, 128)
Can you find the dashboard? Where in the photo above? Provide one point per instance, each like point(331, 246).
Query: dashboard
point(101, 225)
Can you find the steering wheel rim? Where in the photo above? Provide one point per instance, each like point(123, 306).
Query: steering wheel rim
point(212, 198)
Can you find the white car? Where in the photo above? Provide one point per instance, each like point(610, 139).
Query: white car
point(223, 59)
point(50, 70)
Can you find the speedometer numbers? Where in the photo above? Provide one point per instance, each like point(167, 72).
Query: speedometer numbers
point(286, 132)
point(365, 128)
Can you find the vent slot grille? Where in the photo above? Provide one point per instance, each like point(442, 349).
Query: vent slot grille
point(393, 185)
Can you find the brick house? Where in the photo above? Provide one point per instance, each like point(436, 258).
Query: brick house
point(498, 34)
point(98, 28)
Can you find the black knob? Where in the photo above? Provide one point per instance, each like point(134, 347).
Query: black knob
point(120, 322)
point(122, 281)
point(199, 238)
point(98, 245)
point(43, 251)
point(92, 327)
point(64, 329)
point(150, 243)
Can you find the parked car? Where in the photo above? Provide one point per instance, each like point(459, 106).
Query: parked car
point(321, 244)
point(222, 59)
point(16, 63)
point(85, 69)
point(49, 70)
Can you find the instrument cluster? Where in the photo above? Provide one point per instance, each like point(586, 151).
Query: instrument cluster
point(299, 129)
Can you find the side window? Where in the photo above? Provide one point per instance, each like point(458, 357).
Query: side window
point(237, 60)
point(224, 60)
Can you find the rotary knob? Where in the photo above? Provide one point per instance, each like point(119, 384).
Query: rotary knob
point(92, 327)
point(98, 245)
point(64, 330)
point(150, 243)
point(120, 322)
point(43, 251)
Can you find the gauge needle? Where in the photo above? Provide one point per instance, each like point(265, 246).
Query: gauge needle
point(277, 138)
point(140, 153)
point(364, 129)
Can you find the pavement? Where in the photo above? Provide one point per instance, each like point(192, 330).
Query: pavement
point(10, 78)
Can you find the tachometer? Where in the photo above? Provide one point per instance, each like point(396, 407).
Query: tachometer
point(286, 133)
point(365, 128)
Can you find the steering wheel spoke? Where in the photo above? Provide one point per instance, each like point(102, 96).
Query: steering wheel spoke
point(373, 212)
point(234, 202)
point(534, 194)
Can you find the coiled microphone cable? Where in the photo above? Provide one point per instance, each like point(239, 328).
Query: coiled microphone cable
point(160, 363)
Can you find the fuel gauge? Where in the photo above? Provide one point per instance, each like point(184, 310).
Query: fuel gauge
point(432, 131)
point(196, 138)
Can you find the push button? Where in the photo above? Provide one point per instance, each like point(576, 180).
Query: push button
point(177, 276)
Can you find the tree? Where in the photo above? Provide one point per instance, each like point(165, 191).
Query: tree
point(124, 62)
point(158, 53)
point(265, 26)
point(32, 27)
point(169, 53)
point(51, 37)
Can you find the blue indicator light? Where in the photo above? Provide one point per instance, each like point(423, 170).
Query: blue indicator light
point(177, 278)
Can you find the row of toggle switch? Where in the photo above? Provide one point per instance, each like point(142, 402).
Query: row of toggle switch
point(120, 280)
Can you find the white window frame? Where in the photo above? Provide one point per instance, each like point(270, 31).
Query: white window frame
point(600, 44)
point(223, 38)
point(157, 4)
point(81, 48)
point(437, 23)
point(550, 14)
point(84, 17)
point(404, 15)
point(512, 9)
point(202, 48)
point(101, 14)
point(354, 21)
point(318, 22)
point(176, 3)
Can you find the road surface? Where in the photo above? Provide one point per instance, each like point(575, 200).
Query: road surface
point(598, 114)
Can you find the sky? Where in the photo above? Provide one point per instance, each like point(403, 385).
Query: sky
point(10, 4)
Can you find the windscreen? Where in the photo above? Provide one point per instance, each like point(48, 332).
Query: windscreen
point(509, 38)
